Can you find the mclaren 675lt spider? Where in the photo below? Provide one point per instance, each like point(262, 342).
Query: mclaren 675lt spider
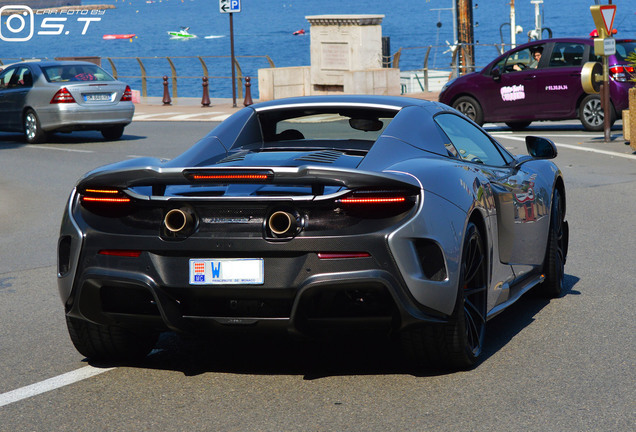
point(348, 212)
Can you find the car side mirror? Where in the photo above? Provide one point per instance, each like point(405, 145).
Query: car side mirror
point(541, 148)
point(495, 72)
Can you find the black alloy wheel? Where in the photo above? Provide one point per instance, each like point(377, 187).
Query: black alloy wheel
point(458, 343)
point(556, 253)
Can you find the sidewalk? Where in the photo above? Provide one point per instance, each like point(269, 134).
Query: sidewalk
point(190, 109)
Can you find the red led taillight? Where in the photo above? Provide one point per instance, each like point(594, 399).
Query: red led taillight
point(120, 253)
point(342, 255)
point(127, 96)
point(373, 200)
point(371, 203)
point(229, 176)
point(112, 196)
point(62, 96)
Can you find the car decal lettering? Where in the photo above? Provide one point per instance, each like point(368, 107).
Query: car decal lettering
point(513, 93)
point(556, 87)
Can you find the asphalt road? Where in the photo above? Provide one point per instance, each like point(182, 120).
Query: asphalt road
point(564, 365)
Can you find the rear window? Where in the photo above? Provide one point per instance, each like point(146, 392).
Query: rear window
point(307, 125)
point(64, 73)
point(624, 49)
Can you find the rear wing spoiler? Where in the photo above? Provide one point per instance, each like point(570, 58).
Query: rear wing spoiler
point(305, 175)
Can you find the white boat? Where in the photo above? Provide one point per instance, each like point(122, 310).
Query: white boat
point(181, 34)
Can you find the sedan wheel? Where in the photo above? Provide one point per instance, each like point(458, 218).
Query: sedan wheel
point(458, 343)
point(32, 129)
point(113, 133)
point(591, 114)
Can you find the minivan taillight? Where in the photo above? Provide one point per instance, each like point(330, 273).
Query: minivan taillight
point(127, 96)
point(619, 73)
point(62, 96)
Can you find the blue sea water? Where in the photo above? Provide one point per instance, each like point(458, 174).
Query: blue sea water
point(265, 27)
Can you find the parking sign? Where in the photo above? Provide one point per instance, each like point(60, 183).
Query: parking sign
point(229, 6)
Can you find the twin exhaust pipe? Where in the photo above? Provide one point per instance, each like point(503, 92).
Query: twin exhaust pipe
point(284, 224)
point(181, 222)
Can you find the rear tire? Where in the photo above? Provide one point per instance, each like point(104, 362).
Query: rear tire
point(556, 253)
point(458, 343)
point(113, 133)
point(591, 114)
point(470, 108)
point(111, 343)
point(32, 129)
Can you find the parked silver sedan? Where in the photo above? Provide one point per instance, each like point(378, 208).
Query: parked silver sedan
point(40, 98)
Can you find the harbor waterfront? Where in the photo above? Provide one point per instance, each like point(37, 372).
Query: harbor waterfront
point(267, 27)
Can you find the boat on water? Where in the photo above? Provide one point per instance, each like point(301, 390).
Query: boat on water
point(181, 34)
point(299, 32)
point(118, 36)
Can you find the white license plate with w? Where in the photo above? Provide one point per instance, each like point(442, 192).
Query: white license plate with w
point(227, 271)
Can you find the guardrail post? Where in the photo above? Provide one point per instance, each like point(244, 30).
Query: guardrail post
point(205, 100)
point(248, 92)
point(166, 93)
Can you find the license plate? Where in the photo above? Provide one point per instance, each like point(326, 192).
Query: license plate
point(98, 97)
point(226, 271)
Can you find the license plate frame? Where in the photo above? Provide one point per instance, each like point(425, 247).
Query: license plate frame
point(98, 97)
point(226, 271)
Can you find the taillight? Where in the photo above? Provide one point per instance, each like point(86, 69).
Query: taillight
point(619, 73)
point(235, 176)
point(111, 196)
point(377, 203)
point(127, 96)
point(63, 96)
point(120, 253)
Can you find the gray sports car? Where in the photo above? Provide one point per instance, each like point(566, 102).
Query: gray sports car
point(349, 212)
point(40, 98)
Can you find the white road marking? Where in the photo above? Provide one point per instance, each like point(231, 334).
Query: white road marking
point(176, 116)
point(142, 116)
point(50, 384)
point(62, 149)
point(191, 116)
point(585, 149)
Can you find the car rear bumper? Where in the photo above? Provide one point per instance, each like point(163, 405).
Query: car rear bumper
point(301, 293)
point(69, 117)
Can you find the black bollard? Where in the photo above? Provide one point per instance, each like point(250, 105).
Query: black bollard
point(205, 100)
point(166, 93)
point(248, 92)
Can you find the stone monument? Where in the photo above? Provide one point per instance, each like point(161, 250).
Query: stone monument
point(346, 58)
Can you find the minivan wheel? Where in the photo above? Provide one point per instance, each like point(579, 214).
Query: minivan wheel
point(591, 114)
point(470, 108)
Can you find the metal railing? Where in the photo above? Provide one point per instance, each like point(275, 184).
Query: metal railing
point(174, 74)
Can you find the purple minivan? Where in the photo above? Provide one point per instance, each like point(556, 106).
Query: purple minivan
point(541, 80)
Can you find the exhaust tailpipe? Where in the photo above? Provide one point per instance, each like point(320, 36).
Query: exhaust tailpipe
point(283, 224)
point(179, 221)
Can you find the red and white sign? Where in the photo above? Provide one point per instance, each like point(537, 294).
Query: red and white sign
point(608, 12)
